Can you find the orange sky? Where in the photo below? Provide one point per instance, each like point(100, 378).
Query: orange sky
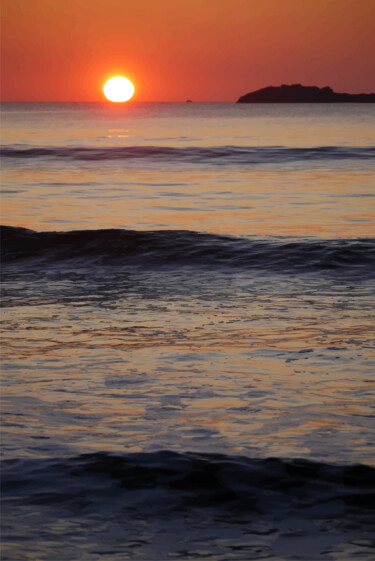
point(205, 50)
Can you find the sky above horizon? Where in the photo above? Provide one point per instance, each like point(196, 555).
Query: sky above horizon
point(173, 50)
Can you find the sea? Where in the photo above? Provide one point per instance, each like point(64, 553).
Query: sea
point(188, 332)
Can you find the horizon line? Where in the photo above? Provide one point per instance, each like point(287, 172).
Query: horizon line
point(115, 103)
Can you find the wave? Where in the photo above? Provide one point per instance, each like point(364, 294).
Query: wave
point(220, 155)
point(172, 248)
point(196, 479)
point(186, 506)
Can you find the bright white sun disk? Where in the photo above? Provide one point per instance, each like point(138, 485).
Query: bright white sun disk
point(118, 89)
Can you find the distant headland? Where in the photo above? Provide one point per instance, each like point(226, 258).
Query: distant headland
point(296, 93)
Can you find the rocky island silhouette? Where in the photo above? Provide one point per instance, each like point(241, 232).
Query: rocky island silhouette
point(296, 93)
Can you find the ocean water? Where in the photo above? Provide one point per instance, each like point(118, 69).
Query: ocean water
point(188, 332)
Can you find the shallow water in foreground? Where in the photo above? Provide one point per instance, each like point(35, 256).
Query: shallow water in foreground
point(121, 344)
point(165, 505)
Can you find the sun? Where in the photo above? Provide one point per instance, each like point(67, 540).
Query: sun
point(118, 89)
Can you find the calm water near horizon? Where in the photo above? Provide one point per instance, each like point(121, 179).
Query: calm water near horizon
point(188, 331)
point(221, 168)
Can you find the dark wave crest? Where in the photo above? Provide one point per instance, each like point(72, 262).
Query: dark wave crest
point(167, 505)
point(221, 155)
point(197, 480)
point(185, 248)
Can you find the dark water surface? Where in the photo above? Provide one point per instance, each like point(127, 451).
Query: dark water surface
point(188, 332)
point(166, 505)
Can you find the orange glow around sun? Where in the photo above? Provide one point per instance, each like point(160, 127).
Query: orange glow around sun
point(118, 89)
